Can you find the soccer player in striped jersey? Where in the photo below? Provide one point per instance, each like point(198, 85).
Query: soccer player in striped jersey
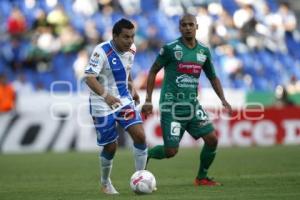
point(113, 98)
point(180, 111)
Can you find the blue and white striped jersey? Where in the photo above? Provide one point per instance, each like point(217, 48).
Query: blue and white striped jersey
point(112, 70)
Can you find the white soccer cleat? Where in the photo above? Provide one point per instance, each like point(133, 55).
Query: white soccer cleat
point(109, 189)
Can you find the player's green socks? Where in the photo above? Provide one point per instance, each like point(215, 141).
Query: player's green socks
point(207, 156)
point(157, 152)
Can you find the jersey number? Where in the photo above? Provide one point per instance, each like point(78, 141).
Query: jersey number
point(202, 114)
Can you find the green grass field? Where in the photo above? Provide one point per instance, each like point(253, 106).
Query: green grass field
point(247, 173)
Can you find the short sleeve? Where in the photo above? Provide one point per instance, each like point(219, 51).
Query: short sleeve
point(96, 61)
point(208, 66)
point(164, 56)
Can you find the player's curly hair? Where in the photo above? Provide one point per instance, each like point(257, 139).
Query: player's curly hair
point(122, 23)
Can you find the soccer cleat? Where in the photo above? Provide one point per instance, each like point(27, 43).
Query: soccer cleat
point(109, 189)
point(206, 182)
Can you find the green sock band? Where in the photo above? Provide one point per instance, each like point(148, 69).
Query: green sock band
point(157, 152)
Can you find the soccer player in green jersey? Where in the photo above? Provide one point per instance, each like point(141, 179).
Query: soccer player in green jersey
point(180, 111)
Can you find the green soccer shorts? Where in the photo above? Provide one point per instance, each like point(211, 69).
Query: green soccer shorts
point(175, 121)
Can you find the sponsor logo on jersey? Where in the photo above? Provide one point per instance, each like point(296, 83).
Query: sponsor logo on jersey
point(96, 55)
point(178, 55)
point(177, 48)
point(175, 128)
point(187, 81)
point(94, 62)
point(189, 68)
point(201, 57)
point(92, 65)
point(114, 61)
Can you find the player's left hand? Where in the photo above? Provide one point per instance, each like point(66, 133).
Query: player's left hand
point(227, 106)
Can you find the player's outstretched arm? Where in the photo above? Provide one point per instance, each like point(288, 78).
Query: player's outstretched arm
point(94, 85)
point(216, 84)
point(148, 107)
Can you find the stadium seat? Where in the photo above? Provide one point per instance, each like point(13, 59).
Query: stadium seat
point(230, 6)
point(259, 64)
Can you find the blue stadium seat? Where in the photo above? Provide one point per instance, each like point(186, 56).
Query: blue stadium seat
point(78, 22)
point(230, 6)
point(273, 5)
point(149, 5)
point(292, 45)
point(267, 69)
point(46, 79)
point(5, 9)
point(260, 84)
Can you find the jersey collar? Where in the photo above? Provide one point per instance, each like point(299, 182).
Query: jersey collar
point(180, 40)
point(112, 44)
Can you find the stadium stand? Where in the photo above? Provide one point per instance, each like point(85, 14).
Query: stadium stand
point(255, 44)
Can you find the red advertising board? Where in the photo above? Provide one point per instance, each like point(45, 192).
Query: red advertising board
point(246, 127)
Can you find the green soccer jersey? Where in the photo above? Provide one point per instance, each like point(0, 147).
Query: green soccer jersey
point(182, 68)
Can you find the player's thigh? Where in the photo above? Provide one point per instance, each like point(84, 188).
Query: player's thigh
point(137, 133)
point(200, 125)
point(211, 139)
point(106, 129)
point(172, 130)
point(130, 119)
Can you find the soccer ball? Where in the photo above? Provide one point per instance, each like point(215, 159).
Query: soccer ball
point(143, 182)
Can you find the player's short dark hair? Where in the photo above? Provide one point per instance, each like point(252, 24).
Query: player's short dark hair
point(121, 24)
point(187, 15)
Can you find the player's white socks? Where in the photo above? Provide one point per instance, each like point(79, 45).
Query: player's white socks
point(106, 166)
point(140, 152)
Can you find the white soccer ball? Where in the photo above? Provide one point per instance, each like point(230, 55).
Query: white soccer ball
point(143, 182)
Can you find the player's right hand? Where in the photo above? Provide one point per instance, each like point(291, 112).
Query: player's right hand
point(227, 106)
point(147, 109)
point(112, 101)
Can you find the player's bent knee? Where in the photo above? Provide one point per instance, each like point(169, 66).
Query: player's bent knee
point(211, 140)
point(171, 152)
point(137, 133)
point(139, 137)
point(110, 148)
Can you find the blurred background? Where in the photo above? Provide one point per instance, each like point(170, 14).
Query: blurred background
point(46, 44)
